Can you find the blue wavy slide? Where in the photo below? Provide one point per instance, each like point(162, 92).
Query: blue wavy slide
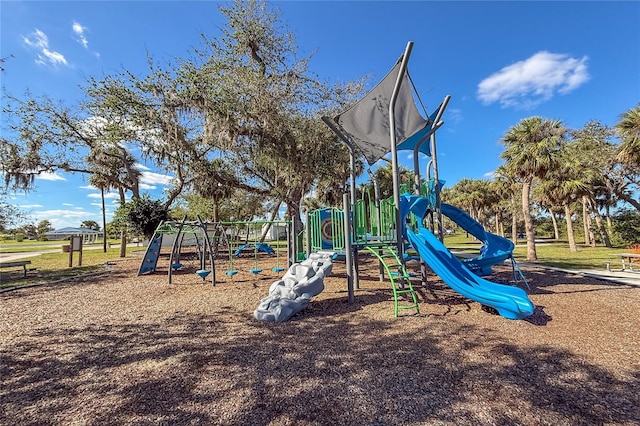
point(510, 302)
point(496, 249)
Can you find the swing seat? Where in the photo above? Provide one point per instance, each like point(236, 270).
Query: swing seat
point(231, 272)
point(203, 273)
point(255, 271)
point(277, 269)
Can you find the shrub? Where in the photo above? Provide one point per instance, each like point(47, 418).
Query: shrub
point(626, 226)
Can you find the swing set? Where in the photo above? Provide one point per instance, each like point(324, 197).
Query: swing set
point(256, 246)
point(196, 245)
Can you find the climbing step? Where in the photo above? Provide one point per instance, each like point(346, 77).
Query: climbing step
point(400, 280)
point(150, 259)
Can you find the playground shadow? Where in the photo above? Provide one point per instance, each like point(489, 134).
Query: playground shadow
point(196, 369)
point(363, 297)
point(544, 281)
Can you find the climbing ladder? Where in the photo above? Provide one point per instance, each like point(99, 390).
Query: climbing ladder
point(150, 259)
point(400, 279)
point(151, 255)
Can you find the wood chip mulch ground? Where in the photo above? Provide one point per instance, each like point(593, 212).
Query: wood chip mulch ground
point(125, 350)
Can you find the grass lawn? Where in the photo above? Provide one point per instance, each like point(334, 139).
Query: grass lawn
point(55, 266)
point(550, 253)
point(26, 246)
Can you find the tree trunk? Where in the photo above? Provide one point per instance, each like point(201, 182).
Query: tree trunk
point(123, 243)
point(104, 222)
point(265, 229)
point(556, 233)
point(293, 212)
point(592, 237)
point(585, 222)
point(499, 224)
point(528, 221)
point(599, 223)
point(514, 228)
point(123, 231)
point(215, 209)
point(570, 236)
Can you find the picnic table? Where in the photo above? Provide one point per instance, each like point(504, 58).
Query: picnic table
point(15, 264)
point(629, 260)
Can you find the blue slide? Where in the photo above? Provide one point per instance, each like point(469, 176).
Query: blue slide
point(510, 302)
point(495, 250)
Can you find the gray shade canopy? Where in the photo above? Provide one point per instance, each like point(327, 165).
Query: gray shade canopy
point(366, 123)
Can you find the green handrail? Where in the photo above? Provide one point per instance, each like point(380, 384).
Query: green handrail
point(397, 273)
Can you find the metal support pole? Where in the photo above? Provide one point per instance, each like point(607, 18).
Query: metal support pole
point(307, 233)
point(352, 178)
point(416, 155)
point(376, 195)
point(376, 192)
point(434, 157)
point(394, 149)
point(347, 248)
point(291, 255)
point(350, 229)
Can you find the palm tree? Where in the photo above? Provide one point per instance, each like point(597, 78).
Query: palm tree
point(530, 152)
point(101, 182)
point(113, 167)
point(628, 129)
point(510, 185)
point(562, 187)
point(595, 167)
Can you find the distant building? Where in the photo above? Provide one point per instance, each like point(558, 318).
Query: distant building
point(277, 231)
point(88, 235)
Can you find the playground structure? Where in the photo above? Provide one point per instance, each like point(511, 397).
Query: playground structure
point(200, 248)
point(191, 249)
point(294, 291)
point(385, 121)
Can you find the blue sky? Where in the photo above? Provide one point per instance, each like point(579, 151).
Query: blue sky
point(500, 62)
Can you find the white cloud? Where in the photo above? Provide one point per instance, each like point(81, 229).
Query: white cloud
point(60, 218)
point(151, 178)
point(67, 204)
point(51, 176)
point(100, 206)
point(79, 31)
point(526, 84)
point(107, 195)
point(55, 58)
point(490, 175)
point(141, 167)
point(147, 186)
point(30, 206)
point(39, 41)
